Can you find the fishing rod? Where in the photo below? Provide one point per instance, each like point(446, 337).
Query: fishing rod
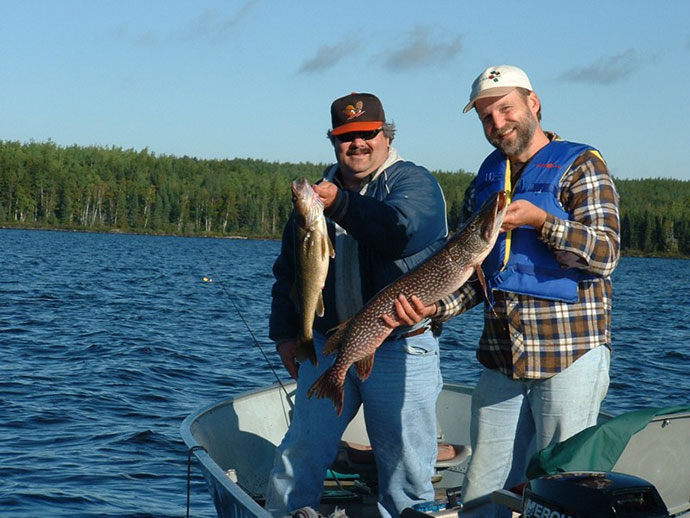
point(263, 353)
point(249, 329)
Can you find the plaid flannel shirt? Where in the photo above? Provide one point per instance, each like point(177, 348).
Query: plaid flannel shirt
point(530, 338)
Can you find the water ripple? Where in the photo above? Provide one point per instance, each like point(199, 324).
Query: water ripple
point(109, 341)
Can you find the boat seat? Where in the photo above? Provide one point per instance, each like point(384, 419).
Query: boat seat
point(449, 455)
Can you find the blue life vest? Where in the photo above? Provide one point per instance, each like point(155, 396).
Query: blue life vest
point(520, 262)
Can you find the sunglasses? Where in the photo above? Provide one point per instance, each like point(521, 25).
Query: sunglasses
point(364, 135)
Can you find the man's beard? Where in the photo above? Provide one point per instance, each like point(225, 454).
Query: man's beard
point(525, 128)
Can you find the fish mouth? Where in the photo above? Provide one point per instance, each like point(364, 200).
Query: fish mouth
point(295, 185)
point(299, 186)
point(494, 213)
point(502, 201)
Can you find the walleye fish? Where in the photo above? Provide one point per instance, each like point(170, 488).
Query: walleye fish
point(357, 339)
point(313, 249)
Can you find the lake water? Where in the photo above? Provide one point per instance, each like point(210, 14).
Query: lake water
point(108, 341)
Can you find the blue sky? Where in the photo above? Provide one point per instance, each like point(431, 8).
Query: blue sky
point(255, 79)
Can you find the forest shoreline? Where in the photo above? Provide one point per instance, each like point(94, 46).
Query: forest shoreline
point(626, 253)
point(97, 189)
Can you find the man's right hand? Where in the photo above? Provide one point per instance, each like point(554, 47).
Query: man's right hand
point(287, 351)
point(327, 191)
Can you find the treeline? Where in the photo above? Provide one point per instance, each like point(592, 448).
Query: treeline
point(95, 188)
point(43, 185)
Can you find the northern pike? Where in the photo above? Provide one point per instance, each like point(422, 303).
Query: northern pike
point(441, 274)
point(313, 249)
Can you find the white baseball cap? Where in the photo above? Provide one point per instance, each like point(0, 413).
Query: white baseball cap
point(497, 81)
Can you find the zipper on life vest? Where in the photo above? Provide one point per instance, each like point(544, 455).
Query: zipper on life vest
point(508, 188)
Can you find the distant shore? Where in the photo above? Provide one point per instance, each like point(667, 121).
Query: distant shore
point(624, 253)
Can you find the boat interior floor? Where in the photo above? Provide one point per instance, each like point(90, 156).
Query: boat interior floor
point(351, 483)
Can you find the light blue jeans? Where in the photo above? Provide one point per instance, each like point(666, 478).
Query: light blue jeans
point(512, 419)
point(399, 401)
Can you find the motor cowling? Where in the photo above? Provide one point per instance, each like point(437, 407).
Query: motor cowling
point(592, 495)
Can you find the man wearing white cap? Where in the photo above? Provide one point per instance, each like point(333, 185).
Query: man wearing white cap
point(546, 344)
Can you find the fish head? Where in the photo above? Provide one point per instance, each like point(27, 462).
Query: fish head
point(307, 204)
point(301, 191)
point(489, 218)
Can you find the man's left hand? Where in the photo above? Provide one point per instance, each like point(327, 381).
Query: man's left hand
point(522, 212)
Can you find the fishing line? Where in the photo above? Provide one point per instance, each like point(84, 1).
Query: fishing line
point(246, 324)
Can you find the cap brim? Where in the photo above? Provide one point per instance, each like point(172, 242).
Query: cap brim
point(498, 91)
point(357, 126)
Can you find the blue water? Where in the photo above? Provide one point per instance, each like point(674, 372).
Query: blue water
point(108, 341)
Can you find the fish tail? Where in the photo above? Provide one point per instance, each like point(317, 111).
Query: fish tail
point(305, 350)
point(328, 386)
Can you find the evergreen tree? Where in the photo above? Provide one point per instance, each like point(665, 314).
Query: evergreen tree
point(96, 188)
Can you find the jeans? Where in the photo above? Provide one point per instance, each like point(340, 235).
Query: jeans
point(512, 419)
point(399, 399)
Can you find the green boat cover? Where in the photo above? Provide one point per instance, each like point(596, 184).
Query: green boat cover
point(596, 448)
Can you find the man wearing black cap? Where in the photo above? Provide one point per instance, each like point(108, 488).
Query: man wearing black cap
point(385, 216)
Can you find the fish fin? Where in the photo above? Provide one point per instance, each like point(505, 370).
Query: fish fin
point(328, 387)
point(305, 350)
point(327, 248)
point(482, 281)
point(339, 327)
point(334, 341)
point(320, 309)
point(364, 366)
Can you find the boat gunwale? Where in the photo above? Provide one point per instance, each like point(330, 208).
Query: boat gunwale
point(216, 478)
point(217, 474)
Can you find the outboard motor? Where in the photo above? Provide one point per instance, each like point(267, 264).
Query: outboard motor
point(592, 494)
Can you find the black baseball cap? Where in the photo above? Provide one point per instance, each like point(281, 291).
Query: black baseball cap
point(356, 112)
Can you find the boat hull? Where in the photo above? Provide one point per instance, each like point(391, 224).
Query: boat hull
point(241, 434)
point(235, 441)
